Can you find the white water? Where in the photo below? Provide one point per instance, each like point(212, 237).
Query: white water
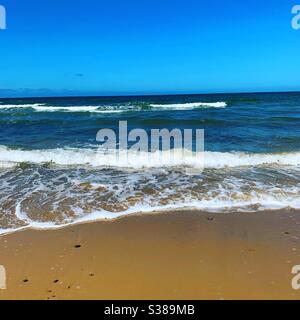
point(188, 106)
point(130, 159)
point(113, 109)
point(16, 106)
point(269, 202)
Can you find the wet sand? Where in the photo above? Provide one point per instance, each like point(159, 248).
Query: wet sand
point(179, 255)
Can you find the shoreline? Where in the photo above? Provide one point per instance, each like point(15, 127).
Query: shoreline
point(184, 254)
point(167, 211)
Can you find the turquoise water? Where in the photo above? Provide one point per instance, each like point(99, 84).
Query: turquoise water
point(52, 173)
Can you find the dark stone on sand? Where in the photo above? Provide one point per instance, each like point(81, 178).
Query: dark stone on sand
point(55, 281)
point(77, 246)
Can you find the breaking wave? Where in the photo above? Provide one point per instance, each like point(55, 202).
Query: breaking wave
point(113, 109)
point(100, 158)
point(188, 106)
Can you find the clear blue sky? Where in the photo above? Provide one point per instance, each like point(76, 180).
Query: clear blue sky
point(64, 47)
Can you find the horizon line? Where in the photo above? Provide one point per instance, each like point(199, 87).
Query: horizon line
point(148, 95)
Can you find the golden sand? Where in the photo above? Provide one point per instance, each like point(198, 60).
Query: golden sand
point(179, 255)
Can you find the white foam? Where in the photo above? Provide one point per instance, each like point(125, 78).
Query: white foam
point(188, 106)
point(211, 205)
point(69, 109)
point(7, 164)
point(12, 230)
point(92, 109)
point(16, 106)
point(239, 159)
point(98, 158)
point(112, 109)
point(43, 108)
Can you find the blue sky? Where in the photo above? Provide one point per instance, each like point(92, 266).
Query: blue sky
point(103, 47)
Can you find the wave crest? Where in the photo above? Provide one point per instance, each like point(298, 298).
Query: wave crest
point(114, 109)
point(188, 106)
point(100, 158)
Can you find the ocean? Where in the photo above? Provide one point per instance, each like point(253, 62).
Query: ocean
point(53, 171)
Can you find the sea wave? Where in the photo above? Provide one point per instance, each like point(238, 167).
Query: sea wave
point(100, 158)
point(254, 204)
point(114, 109)
point(45, 196)
point(22, 106)
point(44, 108)
point(187, 106)
point(210, 206)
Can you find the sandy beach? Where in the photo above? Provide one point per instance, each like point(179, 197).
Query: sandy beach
point(178, 255)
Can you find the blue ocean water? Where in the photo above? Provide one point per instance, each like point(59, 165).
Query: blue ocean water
point(51, 172)
point(250, 122)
